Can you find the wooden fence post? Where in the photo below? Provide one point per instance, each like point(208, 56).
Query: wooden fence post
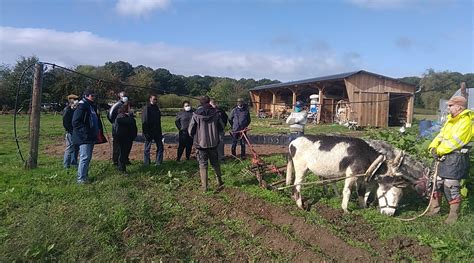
point(464, 90)
point(32, 161)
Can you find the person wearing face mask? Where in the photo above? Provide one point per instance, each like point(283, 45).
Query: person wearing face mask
point(151, 128)
point(86, 126)
point(72, 150)
point(182, 123)
point(239, 120)
point(451, 149)
point(297, 120)
point(113, 112)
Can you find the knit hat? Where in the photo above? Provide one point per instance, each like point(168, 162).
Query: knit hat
point(458, 100)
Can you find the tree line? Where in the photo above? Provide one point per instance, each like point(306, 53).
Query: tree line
point(58, 83)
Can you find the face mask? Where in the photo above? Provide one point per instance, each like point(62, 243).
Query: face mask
point(187, 108)
point(297, 109)
point(240, 106)
point(124, 99)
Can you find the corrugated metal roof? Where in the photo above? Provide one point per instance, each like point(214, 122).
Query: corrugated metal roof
point(340, 76)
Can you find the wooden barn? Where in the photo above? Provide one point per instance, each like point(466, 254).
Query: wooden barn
point(360, 97)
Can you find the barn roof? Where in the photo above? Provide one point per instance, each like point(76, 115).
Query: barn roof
point(340, 76)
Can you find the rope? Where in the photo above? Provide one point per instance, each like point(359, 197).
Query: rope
point(431, 197)
point(323, 182)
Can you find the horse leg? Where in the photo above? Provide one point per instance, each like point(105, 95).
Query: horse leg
point(346, 193)
point(300, 169)
point(361, 193)
point(336, 191)
point(289, 171)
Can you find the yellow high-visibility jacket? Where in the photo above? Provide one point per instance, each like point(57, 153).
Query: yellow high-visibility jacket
point(456, 133)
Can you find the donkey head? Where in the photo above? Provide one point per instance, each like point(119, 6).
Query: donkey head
point(403, 171)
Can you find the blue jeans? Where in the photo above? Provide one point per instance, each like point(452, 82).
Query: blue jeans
point(159, 152)
point(71, 152)
point(85, 157)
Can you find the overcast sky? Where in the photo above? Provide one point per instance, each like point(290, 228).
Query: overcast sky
point(276, 39)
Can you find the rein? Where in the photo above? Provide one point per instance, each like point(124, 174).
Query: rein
point(435, 176)
point(323, 182)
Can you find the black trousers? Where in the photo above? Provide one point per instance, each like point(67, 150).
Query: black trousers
point(185, 142)
point(115, 151)
point(236, 137)
point(124, 148)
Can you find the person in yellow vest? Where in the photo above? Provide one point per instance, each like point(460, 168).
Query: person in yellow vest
point(451, 149)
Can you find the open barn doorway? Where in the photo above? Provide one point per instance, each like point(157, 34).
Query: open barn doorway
point(398, 107)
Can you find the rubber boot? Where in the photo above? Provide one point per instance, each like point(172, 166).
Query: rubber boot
point(220, 183)
point(242, 154)
point(453, 213)
point(435, 204)
point(203, 174)
point(233, 150)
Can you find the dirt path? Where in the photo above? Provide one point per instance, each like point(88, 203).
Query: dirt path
point(104, 151)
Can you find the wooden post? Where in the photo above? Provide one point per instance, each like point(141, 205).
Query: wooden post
point(464, 91)
point(273, 104)
point(32, 161)
point(293, 101)
point(320, 105)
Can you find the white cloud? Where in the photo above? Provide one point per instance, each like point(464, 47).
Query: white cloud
point(79, 48)
point(140, 7)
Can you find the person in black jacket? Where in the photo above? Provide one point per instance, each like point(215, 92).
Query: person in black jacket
point(182, 123)
point(86, 127)
point(204, 127)
point(113, 112)
point(71, 152)
point(124, 131)
point(224, 118)
point(151, 128)
point(239, 120)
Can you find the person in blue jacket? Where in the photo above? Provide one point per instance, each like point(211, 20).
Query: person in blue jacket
point(86, 126)
point(239, 120)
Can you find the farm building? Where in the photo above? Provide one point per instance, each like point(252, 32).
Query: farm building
point(361, 97)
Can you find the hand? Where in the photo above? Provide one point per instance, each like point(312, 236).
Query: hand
point(434, 153)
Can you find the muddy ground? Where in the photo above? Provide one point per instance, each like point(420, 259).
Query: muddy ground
point(279, 232)
point(104, 151)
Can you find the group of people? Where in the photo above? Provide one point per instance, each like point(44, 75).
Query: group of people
point(203, 128)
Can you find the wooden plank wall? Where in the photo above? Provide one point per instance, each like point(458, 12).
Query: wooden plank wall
point(367, 87)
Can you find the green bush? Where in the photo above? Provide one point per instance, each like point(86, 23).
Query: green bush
point(174, 101)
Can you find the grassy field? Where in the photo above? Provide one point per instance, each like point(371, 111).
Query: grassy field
point(157, 213)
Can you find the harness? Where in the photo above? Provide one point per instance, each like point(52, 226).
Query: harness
point(384, 196)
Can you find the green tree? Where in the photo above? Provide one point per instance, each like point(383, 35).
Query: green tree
point(9, 82)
